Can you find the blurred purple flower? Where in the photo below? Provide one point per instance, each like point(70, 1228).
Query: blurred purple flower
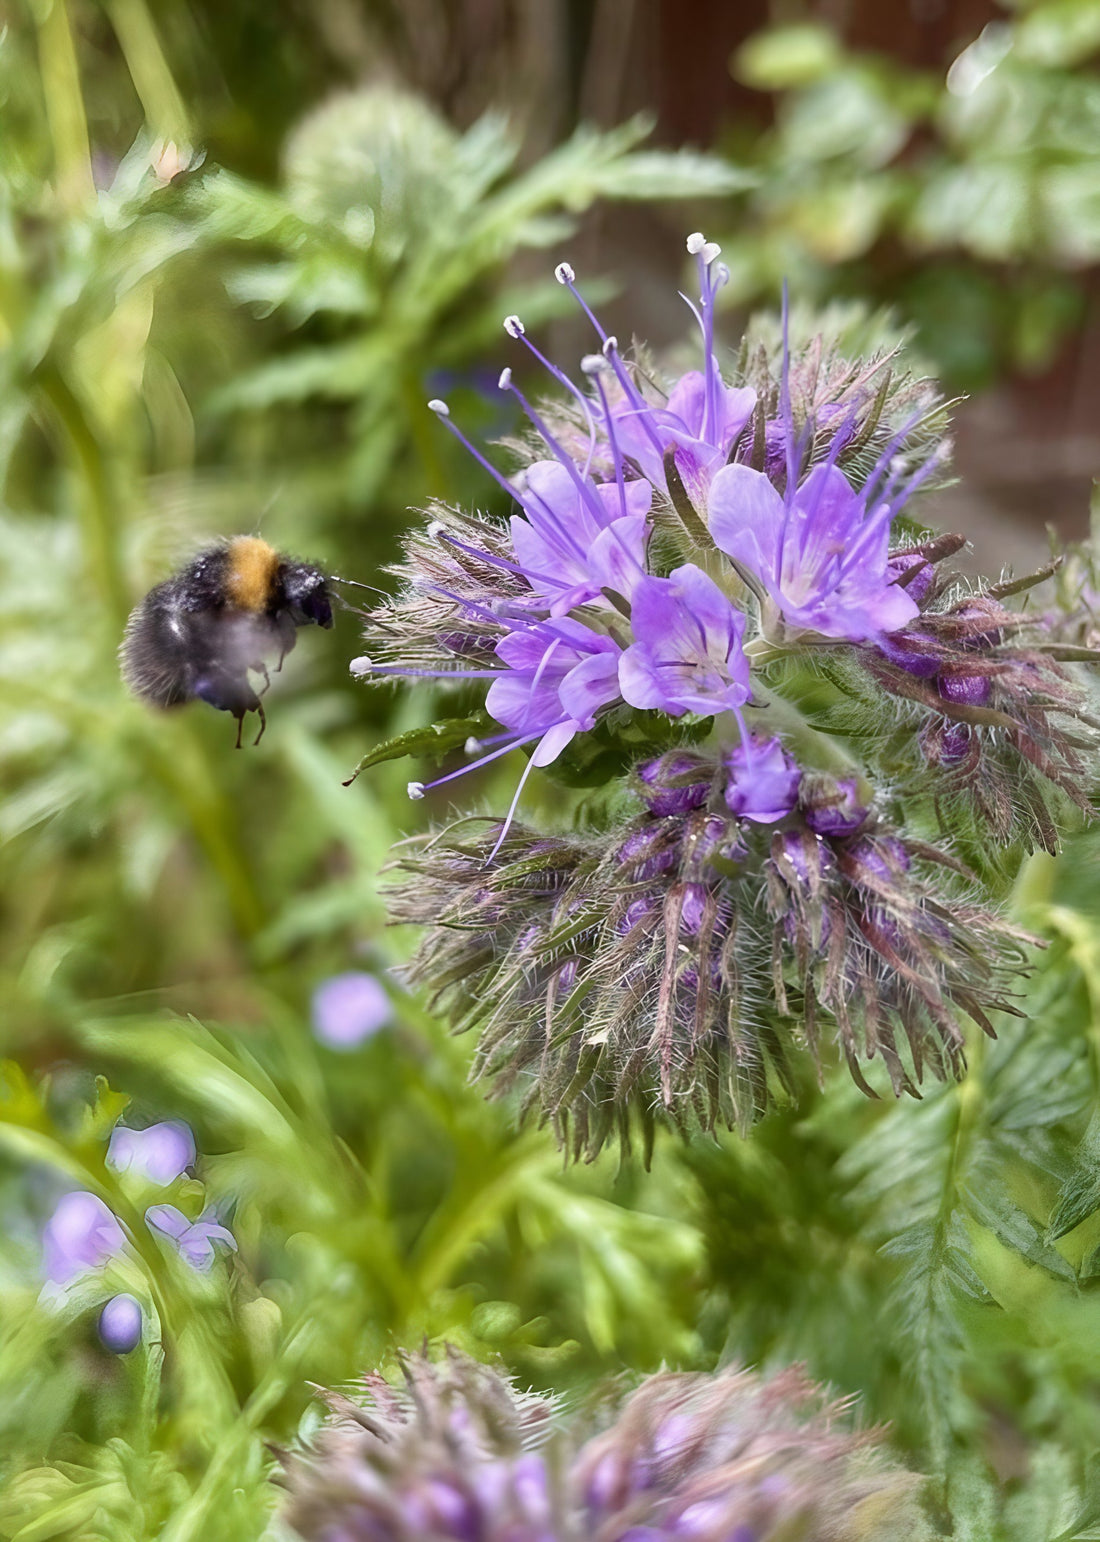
point(193, 1240)
point(349, 1008)
point(81, 1235)
point(162, 1152)
point(763, 783)
point(120, 1324)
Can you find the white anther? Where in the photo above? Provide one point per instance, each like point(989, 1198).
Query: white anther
point(514, 326)
point(564, 273)
point(505, 381)
point(361, 666)
point(721, 274)
point(695, 242)
point(593, 363)
point(610, 346)
point(415, 791)
point(472, 745)
point(710, 252)
point(439, 407)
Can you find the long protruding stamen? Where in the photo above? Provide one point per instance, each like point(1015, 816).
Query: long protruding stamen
point(711, 277)
point(639, 406)
point(515, 328)
point(438, 531)
point(593, 367)
point(511, 814)
point(443, 413)
point(475, 765)
point(586, 490)
point(565, 275)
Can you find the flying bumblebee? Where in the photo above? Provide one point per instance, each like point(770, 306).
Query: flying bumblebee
point(233, 609)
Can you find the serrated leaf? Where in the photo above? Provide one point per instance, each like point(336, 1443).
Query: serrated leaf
point(435, 739)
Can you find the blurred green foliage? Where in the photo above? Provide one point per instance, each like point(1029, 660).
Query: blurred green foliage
point(193, 348)
point(971, 202)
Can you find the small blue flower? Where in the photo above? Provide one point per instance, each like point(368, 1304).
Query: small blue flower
point(193, 1240)
point(120, 1324)
point(162, 1152)
point(81, 1236)
point(348, 1009)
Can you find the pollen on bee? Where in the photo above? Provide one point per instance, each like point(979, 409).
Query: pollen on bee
point(251, 572)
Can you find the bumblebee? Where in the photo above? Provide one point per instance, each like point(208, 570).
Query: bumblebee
point(234, 608)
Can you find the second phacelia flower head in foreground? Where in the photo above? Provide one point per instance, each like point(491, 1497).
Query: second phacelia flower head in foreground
point(457, 1453)
point(727, 564)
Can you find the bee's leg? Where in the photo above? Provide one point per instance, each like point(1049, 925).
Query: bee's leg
point(263, 722)
point(261, 669)
point(240, 725)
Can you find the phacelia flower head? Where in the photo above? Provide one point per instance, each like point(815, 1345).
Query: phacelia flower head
point(715, 586)
point(729, 1457)
point(648, 548)
point(453, 1455)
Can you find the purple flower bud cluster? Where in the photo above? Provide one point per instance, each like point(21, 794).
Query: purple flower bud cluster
point(671, 963)
point(460, 1456)
point(83, 1235)
point(713, 561)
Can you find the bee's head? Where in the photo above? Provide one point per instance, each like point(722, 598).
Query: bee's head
point(307, 596)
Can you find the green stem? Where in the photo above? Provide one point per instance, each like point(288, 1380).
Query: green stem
point(97, 505)
point(60, 76)
point(161, 101)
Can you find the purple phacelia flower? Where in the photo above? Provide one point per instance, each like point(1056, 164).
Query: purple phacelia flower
point(348, 1009)
point(728, 1457)
point(120, 1324)
point(193, 1240)
point(81, 1236)
point(820, 550)
point(161, 1153)
point(578, 538)
point(687, 654)
point(763, 781)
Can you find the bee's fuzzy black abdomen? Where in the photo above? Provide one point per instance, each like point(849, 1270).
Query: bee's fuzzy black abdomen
point(157, 652)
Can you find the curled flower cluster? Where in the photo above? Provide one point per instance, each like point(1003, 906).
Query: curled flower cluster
point(83, 1235)
point(459, 1454)
point(653, 965)
point(730, 564)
